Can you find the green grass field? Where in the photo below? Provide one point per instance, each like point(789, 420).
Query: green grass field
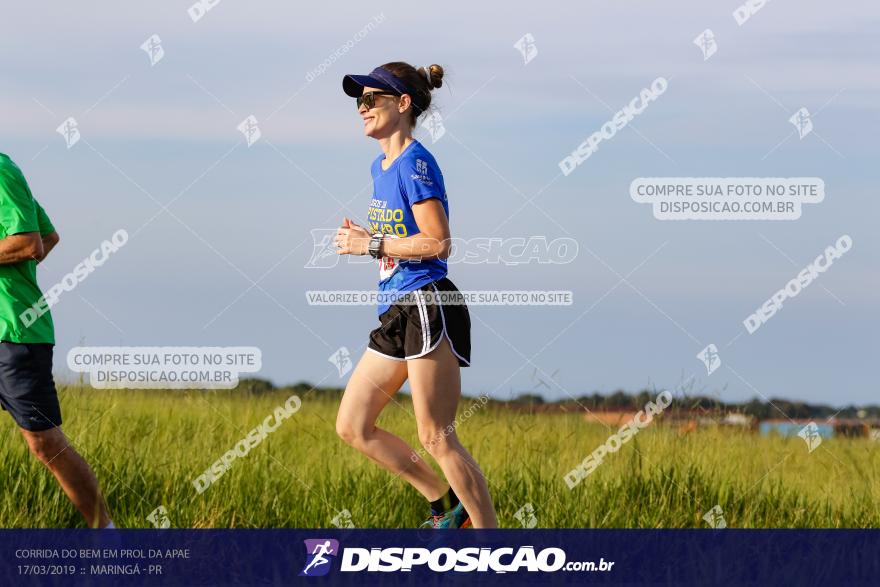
point(147, 447)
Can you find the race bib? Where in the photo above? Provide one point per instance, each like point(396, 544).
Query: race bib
point(387, 265)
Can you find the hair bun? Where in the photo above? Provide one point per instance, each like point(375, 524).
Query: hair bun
point(433, 74)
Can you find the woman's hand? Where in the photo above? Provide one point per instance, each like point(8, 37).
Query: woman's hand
point(352, 239)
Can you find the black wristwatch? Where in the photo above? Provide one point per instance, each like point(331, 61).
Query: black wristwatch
point(375, 248)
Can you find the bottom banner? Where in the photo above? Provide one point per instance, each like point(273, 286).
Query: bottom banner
point(338, 557)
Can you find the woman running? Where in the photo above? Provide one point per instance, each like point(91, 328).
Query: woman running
point(418, 337)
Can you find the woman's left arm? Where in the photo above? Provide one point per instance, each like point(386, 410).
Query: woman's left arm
point(432, 241)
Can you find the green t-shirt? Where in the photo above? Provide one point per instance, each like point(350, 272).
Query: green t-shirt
point(20, 212)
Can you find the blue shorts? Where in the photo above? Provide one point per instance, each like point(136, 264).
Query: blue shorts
point(27, 389)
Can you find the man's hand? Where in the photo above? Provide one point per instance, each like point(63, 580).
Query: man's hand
point(20, 247)
point(352, 239)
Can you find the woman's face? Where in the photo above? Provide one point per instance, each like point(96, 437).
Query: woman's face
point(383, 118)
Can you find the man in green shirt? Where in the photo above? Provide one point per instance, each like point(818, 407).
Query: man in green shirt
point(27, 389)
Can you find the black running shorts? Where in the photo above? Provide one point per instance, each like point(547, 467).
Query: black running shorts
point(27, 389)
point(415, 325)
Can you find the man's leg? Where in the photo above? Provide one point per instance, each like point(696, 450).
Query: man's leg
point(72, 472)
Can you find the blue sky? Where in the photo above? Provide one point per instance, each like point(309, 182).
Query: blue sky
point(243, 214)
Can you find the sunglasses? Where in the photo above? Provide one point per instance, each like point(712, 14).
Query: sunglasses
point(369, 99)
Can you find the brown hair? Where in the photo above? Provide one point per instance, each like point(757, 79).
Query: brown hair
point(421, 81)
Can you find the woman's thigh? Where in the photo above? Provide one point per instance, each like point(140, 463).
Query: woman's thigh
point(435, 380)
point(371, 386)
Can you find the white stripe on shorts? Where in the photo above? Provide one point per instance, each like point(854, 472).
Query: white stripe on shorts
point(423, 316)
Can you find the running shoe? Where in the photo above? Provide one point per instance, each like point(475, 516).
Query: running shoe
point(457, 517)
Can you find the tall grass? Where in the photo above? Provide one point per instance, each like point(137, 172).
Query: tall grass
point(147, 447)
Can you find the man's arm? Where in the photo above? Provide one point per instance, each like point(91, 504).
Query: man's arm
point(23, 246)
point(49, 242)
point(47, 231)
point(22, 219)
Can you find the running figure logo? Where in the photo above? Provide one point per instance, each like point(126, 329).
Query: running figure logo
point(706, 42)
point(153, 48)
point(527, 48)
point(802, 122)
point(434, 125)
point(317, 561)
point(810, 434)
point(69, 129)
point(250, 129)
point(341, 359)
point(715, 518)
point(710, 357)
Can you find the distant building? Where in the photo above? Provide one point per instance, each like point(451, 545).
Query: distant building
point(738, 419)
